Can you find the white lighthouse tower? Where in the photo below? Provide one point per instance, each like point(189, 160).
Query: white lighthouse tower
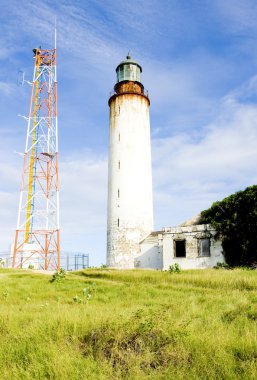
point(130, 205)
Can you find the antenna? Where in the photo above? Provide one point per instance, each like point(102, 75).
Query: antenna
point(37, 237)
point(21, 78)
point(55, 33)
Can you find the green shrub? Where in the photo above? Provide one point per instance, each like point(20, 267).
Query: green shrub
point(221, 266)
point(59, 276)
point(235, 220)
point(175, 268)
point(87, 294)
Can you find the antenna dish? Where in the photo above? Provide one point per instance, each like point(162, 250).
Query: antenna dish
point(20, 79)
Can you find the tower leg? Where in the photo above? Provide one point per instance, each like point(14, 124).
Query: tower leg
point(15, 248)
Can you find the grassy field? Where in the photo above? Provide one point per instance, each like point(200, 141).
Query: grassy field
point(106, 324)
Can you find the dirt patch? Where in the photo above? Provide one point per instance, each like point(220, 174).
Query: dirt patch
point(41, 271)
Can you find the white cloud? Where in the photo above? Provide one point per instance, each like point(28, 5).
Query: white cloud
point(8, 216)
point(6, 89)
point(189, 171)
point(79, 32)
point(83, 195)
point(240, 15)
point(3, 52)
point(190, 174)
point(247, 92)
point(83, 187)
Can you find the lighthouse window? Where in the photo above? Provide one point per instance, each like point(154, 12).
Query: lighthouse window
point(128, 70)
point(133, 71)
point(118, 222)
point(179, 248)
point(119, 164)
point(121, 73)
point(119, 136)
point(118, 193)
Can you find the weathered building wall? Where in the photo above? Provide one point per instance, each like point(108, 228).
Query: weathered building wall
point(158, 250)
point(151, 256)
point(130, 209)
point(192, 236)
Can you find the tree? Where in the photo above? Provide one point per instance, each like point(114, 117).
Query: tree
point(235, 220)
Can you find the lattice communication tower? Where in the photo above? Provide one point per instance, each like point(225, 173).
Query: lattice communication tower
point(37, 238)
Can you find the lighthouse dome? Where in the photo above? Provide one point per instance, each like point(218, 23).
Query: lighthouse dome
point(128, 70)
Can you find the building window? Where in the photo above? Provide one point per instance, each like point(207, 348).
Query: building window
point(119, 164)
point(118, 193)
point(118, 222)
point(179, 248)
point(204, 247)
point(119, 136)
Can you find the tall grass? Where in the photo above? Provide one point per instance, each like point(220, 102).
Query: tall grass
point(137, 325)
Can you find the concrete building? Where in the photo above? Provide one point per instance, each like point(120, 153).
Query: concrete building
point(131, 242)
point(192, 247)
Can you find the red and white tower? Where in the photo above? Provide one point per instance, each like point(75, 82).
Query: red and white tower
point(37, 238)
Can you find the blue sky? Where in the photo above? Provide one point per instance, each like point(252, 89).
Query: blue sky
point(199, 62)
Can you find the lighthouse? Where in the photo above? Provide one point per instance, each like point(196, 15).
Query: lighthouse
point(130, 205)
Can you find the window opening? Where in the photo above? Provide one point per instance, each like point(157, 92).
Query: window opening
point(118, 222)
point(119, 164)
point(204, 247)
point(180, 248)
point(118, 193)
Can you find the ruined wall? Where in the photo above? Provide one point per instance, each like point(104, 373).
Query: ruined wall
point(192, 236)
point(158, 250)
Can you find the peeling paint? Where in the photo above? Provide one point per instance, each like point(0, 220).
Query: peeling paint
point(157, 250)
point(129, 145)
